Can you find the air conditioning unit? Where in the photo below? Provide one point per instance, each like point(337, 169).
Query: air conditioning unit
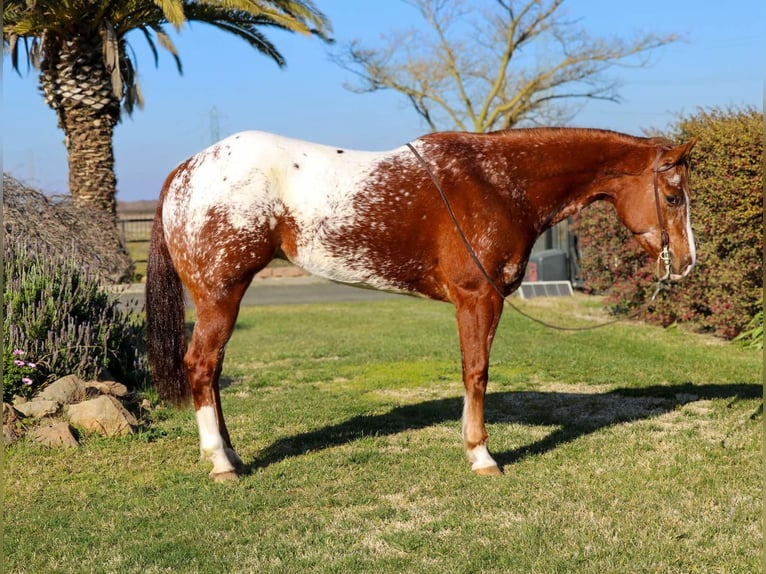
point(546, 276)
point(548, 265)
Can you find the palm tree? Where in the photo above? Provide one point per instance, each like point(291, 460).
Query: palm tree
point(87, 68)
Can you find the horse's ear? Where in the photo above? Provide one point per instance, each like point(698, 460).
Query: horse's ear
point(677, 154)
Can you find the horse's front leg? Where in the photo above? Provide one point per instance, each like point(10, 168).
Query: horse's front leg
point(203, 362)
point(478, 315)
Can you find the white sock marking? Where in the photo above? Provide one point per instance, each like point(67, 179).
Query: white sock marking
point(210, 441)
point(479, 457)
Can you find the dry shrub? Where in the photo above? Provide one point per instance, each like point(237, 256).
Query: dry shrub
point(90, 236)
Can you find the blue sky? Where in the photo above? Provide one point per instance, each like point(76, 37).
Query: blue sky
point(228, 87)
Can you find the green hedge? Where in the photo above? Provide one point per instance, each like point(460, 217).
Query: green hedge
point(725, 290)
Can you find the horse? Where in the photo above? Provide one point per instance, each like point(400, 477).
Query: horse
point(451, 216)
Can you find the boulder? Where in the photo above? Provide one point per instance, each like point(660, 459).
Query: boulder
point(95, 388)
point(117, 389)
point(12, 429)
point(65, 391)
point(10, 414)
point(104, 415)
point(10, 435)
point(38, 409)
point(58, 434)
point(108, 388)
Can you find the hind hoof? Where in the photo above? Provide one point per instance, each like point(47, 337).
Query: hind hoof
point(228, 476)
point(488, 471)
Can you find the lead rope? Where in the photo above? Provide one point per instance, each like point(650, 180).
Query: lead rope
point(664, 255)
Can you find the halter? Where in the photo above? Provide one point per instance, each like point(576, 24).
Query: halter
point(662, 259)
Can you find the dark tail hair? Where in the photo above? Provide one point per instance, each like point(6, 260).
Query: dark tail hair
point(165, 319)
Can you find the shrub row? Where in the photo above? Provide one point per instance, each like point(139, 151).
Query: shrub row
point(725, 290)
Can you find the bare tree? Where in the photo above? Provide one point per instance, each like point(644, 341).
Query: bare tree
point(512, 63)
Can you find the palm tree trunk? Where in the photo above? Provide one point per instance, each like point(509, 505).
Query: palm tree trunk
point(76, 84)
point(92, 181)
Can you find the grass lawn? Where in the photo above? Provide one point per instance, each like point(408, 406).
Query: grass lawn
point(627, 449)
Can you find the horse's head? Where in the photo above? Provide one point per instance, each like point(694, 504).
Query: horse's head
point(657, 212)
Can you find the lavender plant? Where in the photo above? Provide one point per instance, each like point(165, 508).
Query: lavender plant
point(60, 316)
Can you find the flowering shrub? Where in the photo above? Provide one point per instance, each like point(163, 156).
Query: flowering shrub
point(22, 376)
point(724, 291)
point(59, 320)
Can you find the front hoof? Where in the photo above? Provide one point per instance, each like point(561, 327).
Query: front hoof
point(488, 471)
point(227, 476)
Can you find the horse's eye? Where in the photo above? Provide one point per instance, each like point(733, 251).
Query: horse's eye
point(674, 200)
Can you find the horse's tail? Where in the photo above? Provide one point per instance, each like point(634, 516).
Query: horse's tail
point(165, 319)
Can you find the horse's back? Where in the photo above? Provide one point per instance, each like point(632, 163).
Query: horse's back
point(251, 164)
point(260, 192)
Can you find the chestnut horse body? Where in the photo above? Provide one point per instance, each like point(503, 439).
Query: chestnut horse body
point(376, 219)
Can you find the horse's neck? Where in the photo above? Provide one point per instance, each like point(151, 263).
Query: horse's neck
point(565, 178)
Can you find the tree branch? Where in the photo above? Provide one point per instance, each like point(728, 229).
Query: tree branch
point(452, 71)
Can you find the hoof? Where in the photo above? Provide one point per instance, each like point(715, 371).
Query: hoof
point(488, 471)
point(228, 476)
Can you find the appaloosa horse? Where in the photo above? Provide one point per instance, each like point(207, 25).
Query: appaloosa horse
point(377, 219)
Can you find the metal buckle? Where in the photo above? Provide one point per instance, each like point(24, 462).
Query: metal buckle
point(664, 259)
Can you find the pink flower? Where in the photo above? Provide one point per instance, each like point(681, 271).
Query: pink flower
point(32, 365)
point(19, 363)
point(26, 380)
point(18, 352)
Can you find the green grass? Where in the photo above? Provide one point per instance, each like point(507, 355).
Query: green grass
point(628, 449)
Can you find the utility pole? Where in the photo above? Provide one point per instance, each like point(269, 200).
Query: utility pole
point(215, 125)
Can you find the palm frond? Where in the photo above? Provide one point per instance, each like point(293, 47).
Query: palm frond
point(111, 50)
point(255, 38)
point(173, 11)
point(107, 23)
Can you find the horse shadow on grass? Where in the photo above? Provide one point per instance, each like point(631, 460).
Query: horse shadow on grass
point(571, 414)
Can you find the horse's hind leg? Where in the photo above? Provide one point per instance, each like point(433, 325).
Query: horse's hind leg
point(203, 361)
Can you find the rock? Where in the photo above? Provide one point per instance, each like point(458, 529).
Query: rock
point(102, 388)
point(104, 414)
point(12, 429)
point(65, 391)
point(38, 409)
point(58, 434)
point(108, 388)
point(10, 434)
point(10, 414)
point(117, 389)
